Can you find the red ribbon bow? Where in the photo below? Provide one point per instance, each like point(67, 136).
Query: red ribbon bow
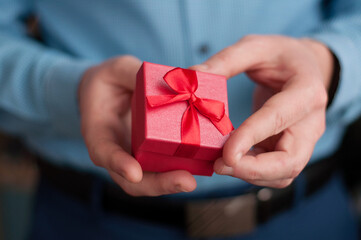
point(185, 83)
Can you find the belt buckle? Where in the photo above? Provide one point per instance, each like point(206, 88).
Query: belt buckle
point(221, 217)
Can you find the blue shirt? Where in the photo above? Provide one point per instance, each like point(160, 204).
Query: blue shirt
point(38, 81)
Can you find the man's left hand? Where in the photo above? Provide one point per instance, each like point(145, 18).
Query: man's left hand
point(292, 76)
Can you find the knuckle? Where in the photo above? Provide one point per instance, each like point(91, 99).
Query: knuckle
point(296, 169)
point(251, 38)
point(317, 94)
point(280, 122)
point(320, 97)
point(224, 57)
point(295, 172)
point(253, 175)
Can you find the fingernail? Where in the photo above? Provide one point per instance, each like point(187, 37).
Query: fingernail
point(222, 169)
point(179, 188)
point(227, 171)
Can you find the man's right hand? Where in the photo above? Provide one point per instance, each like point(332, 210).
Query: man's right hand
point(105, 93)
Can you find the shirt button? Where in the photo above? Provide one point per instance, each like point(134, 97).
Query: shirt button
point(203, 49)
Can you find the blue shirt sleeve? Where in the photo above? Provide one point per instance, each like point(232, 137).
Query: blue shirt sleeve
point(341, 32)
point(38, 85)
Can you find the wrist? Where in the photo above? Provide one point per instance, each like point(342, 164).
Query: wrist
point(324, 58)
point(83, 81)
point(330, 66)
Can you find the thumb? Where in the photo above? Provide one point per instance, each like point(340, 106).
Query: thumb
point(246, 54)
point(126, 67)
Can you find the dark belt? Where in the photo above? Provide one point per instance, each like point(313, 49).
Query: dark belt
point(199, 217)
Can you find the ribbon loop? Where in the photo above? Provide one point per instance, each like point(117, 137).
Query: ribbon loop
point(182, 80)
point(185, 83)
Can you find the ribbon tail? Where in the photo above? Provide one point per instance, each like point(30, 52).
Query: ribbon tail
point(224, 125)
point(215, 112)
point(182, 80)
point(190, 134)
point(210, 108)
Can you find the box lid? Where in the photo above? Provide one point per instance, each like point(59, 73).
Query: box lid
point(161, 125)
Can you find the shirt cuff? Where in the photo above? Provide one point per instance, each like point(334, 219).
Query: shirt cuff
point(349, 84)
point(61, 86)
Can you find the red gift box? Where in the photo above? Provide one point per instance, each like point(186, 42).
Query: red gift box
point(179, 119)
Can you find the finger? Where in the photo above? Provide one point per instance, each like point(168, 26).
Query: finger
point(244, 55)
point(157, 184)
point(281, 111)
point(265, 166)
point(291, 155)
point(105, 151)
point(126, 68)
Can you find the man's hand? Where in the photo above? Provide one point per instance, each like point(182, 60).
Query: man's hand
point(105, 93)
point(275, 143)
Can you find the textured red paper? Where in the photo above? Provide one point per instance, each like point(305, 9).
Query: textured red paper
point(156, 132)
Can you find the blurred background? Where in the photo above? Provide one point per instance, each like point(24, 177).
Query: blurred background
point(19, 174)
point(18, 177)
